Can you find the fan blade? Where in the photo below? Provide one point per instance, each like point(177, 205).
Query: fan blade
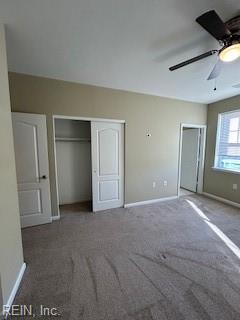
point(216, 70)
point(200, 57)
point(213, 24)
point(237, 86)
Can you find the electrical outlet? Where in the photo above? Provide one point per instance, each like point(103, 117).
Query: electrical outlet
point(154, 184)
point(234, 187)
point(165, 183)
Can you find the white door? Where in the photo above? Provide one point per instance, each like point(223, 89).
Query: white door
point(31, 154)
point(107, 165)
point(190, 159)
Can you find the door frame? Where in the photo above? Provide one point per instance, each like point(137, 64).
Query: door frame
point(89, 119)
point(203, 130)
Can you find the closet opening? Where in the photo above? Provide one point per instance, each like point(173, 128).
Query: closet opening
point(73, 166)
point(89, 164)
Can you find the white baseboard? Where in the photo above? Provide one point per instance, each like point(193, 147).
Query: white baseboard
point(212, 196)
point(55, 218)
point(16, 286)
point(143, 203)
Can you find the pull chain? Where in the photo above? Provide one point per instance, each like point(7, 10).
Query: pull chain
point(215, 85)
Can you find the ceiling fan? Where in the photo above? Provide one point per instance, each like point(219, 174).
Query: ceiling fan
point(228, 36)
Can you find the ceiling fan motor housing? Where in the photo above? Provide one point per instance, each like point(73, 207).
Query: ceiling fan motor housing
point(231, 42)
point(234, 25)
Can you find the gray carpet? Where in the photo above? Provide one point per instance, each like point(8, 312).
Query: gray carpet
point(156, 262)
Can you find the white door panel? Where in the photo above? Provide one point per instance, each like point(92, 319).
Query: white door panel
point(25, 135)
point(190, 158)
point(108, 190)
point(30, 202)
point(30, 144)
point(108, 152)
point(107, 165)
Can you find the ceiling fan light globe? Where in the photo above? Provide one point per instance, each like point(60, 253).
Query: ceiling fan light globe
point(230, 53)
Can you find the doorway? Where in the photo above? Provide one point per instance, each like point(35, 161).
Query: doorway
point(191, 159)
point(89, 161)
point(74, 170)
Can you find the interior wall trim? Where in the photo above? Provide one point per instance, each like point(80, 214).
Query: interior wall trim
point(212, 196)
point(146, 202)
point(201, 164)
point(55, 116)
point(15, 288)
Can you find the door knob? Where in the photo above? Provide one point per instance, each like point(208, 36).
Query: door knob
point(44, 177)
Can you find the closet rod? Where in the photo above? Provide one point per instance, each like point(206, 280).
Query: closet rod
point(73, 139)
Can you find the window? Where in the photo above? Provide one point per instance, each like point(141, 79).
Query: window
point(227, 155)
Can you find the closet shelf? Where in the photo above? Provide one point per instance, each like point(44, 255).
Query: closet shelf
point(73, 139)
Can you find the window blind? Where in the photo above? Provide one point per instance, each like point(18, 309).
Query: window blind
point(227, 154)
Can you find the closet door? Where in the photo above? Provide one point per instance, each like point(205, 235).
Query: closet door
point(107, 165)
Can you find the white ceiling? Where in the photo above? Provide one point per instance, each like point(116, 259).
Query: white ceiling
point(122, 44)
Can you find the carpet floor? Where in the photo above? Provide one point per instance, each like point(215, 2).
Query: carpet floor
point(155, 262)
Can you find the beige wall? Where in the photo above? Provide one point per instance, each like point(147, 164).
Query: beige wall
point(146, 159)
point(11, 256)
point(216, 182)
